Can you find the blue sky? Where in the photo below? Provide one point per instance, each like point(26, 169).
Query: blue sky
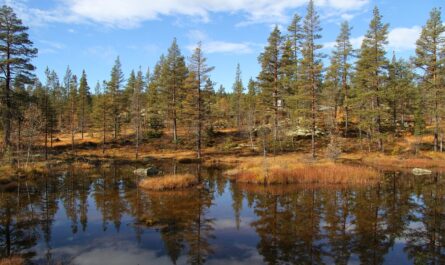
point(89, 34)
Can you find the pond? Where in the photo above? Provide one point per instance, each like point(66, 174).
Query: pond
point(101, 217)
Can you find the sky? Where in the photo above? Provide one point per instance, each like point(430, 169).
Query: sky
point(90, 34)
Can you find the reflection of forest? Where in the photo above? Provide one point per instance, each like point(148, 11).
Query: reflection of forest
point(295, 225)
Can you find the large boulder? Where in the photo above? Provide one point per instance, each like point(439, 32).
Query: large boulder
point(421, 171)
point(148, 171)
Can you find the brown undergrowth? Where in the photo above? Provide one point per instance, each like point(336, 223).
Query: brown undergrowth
point(12, 261)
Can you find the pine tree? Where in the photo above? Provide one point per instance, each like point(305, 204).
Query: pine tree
point(343, 54)
point(295, 36)
point(312, 65)
point(238, 90)
point(200, 70)
point(430, 45)
point(371, 73)
point(84, 101)
point(155, 117)
point(16, 53)
point(400, 90)
point(252, 105)
point(269, 78)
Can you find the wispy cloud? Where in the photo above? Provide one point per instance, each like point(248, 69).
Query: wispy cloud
point(217, 46)
point(46, 46)
point(131, 13)
point(107, 53)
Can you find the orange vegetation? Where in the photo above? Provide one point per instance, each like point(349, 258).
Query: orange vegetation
point(169, 182)
point(12, 261)
point(430, 160)
point(289, 170)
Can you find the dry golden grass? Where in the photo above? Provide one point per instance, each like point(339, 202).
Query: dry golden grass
point(12, 261)
point(291, 170)
point(169, 182)
point(432, 160)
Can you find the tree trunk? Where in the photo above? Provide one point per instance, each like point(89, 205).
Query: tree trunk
point(313, 110)
point(199, 118)
point(46, 125)
point(175, 136)
point(6, 117)
point(103, 126)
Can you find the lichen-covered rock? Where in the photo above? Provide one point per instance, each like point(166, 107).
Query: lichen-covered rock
point(149, 171)
point(421, 171)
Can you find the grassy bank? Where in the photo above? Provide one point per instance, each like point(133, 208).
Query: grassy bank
point(288, 169)
point(169, 182)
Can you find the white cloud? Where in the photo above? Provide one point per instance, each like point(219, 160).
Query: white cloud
point(216, 46)
point(131, 13)
point(403, 39)
point(399, 39)
point(47, 47)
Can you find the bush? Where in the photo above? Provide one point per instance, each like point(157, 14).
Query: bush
point(151, 134)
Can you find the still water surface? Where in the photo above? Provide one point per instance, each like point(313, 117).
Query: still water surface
point(101, 217)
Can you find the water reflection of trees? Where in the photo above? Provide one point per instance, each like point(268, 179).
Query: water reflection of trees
point(295, 225)
point(313, 225)
point(182, 220)
point(426, 235)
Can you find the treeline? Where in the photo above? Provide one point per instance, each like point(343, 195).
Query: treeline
point(364, 94)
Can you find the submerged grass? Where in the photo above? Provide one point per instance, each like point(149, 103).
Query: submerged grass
point(169, 182)
point(288, 170)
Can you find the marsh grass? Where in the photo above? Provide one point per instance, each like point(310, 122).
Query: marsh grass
point(169, 182)
point(12, 261)
point(288, 170)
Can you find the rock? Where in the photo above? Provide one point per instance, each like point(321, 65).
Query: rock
point(302, 132)
point(421, 171)
point(149, 171)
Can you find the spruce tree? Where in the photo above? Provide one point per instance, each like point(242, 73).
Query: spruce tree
point(84, 102)
point(114, 90)
point(198, 65)
point(238, 90)
point(73, 99)
point(175, 75)
point(16, 53)
point(136, 108)
point(431, 62)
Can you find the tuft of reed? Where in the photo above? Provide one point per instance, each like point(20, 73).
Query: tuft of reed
point(286, 170)
point(169, 182)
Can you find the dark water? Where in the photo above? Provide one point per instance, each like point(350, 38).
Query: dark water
point(101, 217)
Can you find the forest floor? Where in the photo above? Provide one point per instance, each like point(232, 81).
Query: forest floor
point(230, 147)
point(227, 148)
